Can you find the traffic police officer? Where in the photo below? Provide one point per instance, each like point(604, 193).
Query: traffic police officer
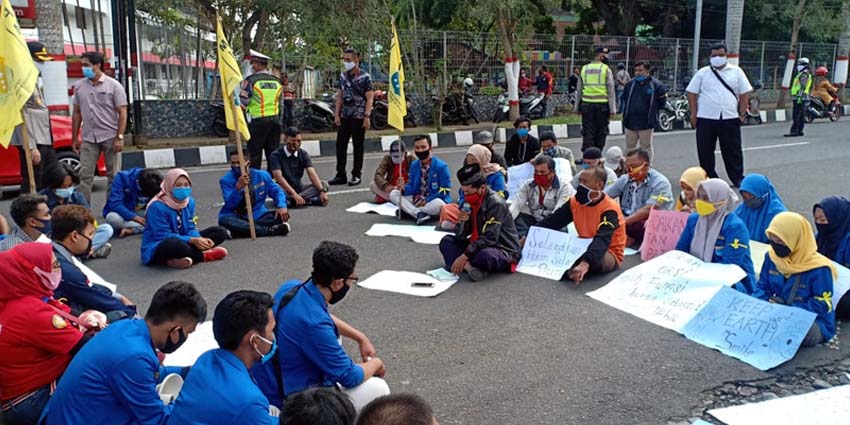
point(260, 96)
point(595, 100)
point(801, 88)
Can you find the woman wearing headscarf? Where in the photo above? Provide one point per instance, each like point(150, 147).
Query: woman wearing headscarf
point(170, 236)
point(832, 219)
point(39, 336)
point(715, 234)
point(475, 155)
point(760, 204)
point(795, 274)
point(688, 183)
point(392, 172)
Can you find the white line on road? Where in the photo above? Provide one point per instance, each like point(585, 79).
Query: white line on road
point(757, 148)
point(342, 192)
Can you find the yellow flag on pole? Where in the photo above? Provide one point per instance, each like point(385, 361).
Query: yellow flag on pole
point(18, 73)
point(231, 80)
point(398, 105)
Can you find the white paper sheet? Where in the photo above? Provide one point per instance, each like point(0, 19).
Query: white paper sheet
point(825, 407)
point(419, 234)
point(550, 253)
point(630, 251)
point(402, 282)
point(92, 276)
point(198, 342)
point(386, 209)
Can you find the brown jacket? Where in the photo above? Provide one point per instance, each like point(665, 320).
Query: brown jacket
point(824, 90)
point(384, 173)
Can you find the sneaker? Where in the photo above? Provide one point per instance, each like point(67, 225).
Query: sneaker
point(355, 180)
point(338, 180)
point(422, 217)
point(179, 263)
point(103, 251)
point(215, 254)
point(476, 274)
point(280, 229)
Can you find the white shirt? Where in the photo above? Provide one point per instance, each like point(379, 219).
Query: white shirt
point(715, 101)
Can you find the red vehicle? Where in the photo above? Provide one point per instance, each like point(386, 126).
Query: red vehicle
point(10, 166)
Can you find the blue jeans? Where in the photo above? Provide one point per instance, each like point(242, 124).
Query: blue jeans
point(102, 234)
point(619, 95)
point(28, 411)
point(239, 227)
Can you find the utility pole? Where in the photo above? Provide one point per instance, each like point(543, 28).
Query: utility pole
point(697, 29)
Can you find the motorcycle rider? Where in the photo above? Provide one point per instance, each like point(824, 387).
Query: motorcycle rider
point(260, 95)
point(801, 88)
point(595, 100)
point(824, 90)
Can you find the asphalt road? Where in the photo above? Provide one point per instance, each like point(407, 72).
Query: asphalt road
point(514, 348)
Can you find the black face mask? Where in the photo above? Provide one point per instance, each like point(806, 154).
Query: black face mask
point(170, 346)
point(337, 296)
point(88, 247)
point(780, 250)
point(822, 228)
point(754, 203)
point(423, 155)
point(583, 194)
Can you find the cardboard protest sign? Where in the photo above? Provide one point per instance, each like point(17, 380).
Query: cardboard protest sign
point(663, 229)
point(550, 253)
point(519, 174)
point(830, 406)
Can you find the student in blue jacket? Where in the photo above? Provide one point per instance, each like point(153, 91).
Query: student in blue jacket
point(795, 274)
point(424, 198)
point(131, 191)
point(60, 188)
point(715, 234)
point(170, 236)
point(234, 215)
point(761, 204)
point(832, 218)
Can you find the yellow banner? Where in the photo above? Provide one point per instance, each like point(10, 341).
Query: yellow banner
point(231, 79)
point(395, 95)
point(18, 73)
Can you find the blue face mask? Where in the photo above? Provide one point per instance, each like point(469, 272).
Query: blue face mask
point(88, 72)
point(551, 151)
point(181, 193)
point(522, 132)
point(268, 356)
point(64, 192)
point(585, 165)
point(640, 78)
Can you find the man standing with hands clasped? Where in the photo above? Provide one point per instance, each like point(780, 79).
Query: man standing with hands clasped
point(353, 109)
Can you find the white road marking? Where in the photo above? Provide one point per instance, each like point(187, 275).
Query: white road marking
point(342, 192)
point(758, 148)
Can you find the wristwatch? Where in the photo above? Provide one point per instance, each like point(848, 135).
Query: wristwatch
point(120, 137)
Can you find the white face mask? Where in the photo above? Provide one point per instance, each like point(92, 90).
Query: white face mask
point(718, 61)
point(349, 65)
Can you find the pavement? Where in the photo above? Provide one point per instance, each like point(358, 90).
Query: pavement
point(513, 348)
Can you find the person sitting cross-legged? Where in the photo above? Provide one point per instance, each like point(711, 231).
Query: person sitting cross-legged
point(131, 191)
point(398, 409)
point(832, 218)
point(233, 215)
point(761, 204)
point(539, 197)
point(549, 147)
point(288, 164)
point(480, 156)
point(592, 157)
point(31, 215)
point(485, 239)
point(318, 406)
point(392, 172)
point(688, 185)
point(428, 186)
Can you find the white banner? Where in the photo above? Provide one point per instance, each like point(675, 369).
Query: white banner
point(550, 253)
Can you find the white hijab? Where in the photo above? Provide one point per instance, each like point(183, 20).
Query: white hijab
point(708, 227)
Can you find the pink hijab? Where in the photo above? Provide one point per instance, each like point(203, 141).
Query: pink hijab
point(167, 186)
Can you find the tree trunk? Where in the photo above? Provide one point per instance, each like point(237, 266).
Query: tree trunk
point(511, 60)
point(840, 74)
point(734, 17)
point(799, 14)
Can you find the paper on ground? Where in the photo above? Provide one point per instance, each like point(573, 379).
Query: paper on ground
point(549, 253)
point(824, 407)
point(630, 251)
point(199, 342)
point(402, 283)
point(419, 234)
point(386, 209)
point(443, 275)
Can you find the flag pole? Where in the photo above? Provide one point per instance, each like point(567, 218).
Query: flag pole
point(25, 146)
point(248, 206)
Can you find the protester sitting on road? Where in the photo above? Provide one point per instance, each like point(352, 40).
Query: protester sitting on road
point(309, 353)
point(549, 147)
point(60, 188)
point(318, 406)
point(398, 409)
point(131, 191)
point(643, 189)
point(37, 342)
point(688, 184)
point(795, 274)
point(596, 217)
point(522, 146)
point(429, 184)
point(220, 389)
point(170, 236)
point(615, 160)
point(761, 204)
point(113, 379)
point(392, 172)
point(476, 155)
point(590, 158)
point(485, 138)
point(832, 219)
point(72, 230)
point(233, 215)
point(288, 164)
point(31, 215)
point(539, 197)
point(714, 233)
point(485, 239)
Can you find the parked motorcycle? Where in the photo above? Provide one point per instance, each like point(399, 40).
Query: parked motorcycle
point(319, 114)
point(675, 109)
point(219, 126)
point(817, 109)
point(380, 112)
point(455, 111)
point(530, 105)
point(753, 110)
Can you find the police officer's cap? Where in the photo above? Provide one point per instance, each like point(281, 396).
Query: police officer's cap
point(258, 57)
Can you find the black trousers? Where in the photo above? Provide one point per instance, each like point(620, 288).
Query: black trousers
point(799, 117)
point(594, 125)
point(288, 104)
point(265, 136)
point(172, 248)
point(729, 134)
point(350, 128)
point(48, 158)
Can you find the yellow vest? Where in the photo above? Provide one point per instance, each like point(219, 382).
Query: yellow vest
point(265, 98)
point(594, 83)
point(796, 86)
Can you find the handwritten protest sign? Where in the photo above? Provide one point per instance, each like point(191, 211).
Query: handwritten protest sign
point(756, 332)
point(663, 229)
point(519, 174)
point(824, 407)
point(550, 253)
point(668, 290)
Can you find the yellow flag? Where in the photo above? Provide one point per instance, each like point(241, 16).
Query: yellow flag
point(398, 106)
point(231, 79)
point(18, 73)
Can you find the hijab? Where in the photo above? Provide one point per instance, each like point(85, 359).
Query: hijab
point(829, 237)
point(708, 227)
point(483, 155)
point(166, 194)
point(19, 278)
point(757, 220)
point(691, 177)
point(796, 232)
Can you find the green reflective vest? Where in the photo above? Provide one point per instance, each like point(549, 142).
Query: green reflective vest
point(795, 86)
point(594, 83)
point(265, 95)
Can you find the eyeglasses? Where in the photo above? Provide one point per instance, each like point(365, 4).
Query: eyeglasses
point(353, 280)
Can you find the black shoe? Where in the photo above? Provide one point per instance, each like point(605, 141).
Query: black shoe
point(315, 201)
point(338, 180)
point(476, 275)
point(422, 218)
point(793, 134)
point(280, 229)
point(355, 180)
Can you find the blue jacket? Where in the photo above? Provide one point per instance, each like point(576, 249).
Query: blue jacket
point(112, 381)
point(219, 390)
point(496, 182)
point(439, 181)
point(732, 247)
point(76, 198)
point(308, 348)
point(125, 196)
point(757, 220)
point(814, 293)
point(161, 223)
point(262, 186)
point(843, 255)
point(79, 293)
